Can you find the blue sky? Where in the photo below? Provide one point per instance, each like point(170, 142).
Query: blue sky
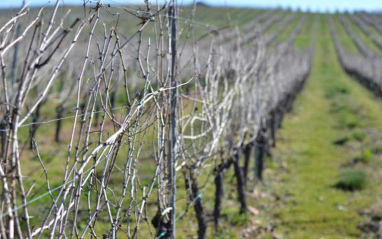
point(314, 5)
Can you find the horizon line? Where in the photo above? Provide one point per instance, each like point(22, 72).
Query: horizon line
point(207, 4)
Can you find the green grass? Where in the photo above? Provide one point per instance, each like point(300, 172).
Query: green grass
point(310, 207)
point(365, 157)
point(303, 40)
point(343, 37)
point(290, 28)
point(276, 25)
point(367, 40)
point(220, 17)
point(359, 135)
point(377, 149)
point(351, 180)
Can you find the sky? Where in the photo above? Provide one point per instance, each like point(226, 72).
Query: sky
point(312, 5)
